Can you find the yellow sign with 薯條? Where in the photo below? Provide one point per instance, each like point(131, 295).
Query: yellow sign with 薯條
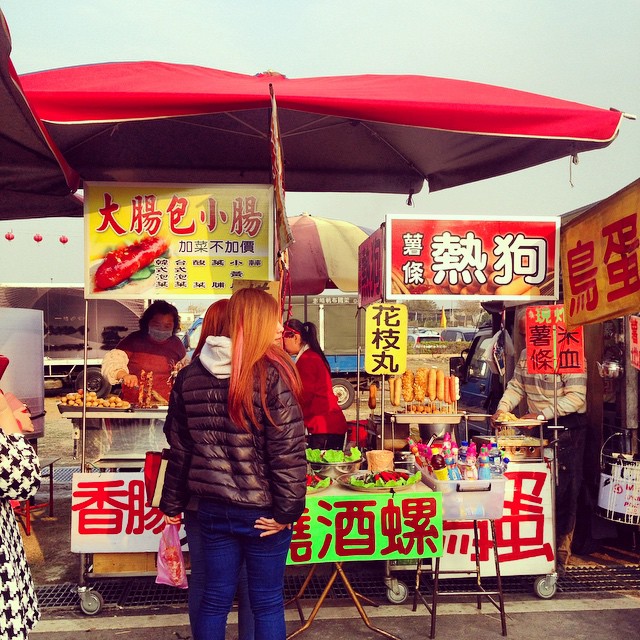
point(175, 240)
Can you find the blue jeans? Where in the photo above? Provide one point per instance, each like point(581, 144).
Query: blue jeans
point(197, 581)
point(230, 538)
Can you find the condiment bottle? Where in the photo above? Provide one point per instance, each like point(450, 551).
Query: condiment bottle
point(439, 467)
point(484, 468)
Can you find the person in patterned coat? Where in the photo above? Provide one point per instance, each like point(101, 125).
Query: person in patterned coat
point(19, 480)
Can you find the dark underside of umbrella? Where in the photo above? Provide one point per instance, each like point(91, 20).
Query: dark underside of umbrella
point(322, 153)
point(32, 181)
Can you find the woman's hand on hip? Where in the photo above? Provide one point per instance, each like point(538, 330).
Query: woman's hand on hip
point(269, 526)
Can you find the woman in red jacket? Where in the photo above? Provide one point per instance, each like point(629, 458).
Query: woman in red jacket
point(322, 415)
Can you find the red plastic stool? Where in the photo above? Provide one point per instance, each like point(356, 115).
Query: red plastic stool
point(24, 508)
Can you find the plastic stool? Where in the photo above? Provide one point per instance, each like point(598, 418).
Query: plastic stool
point(479, 592)
point(24, 508)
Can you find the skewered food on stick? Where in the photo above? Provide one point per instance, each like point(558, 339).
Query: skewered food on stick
point(407, 386)
point(420, 385)
point(373, 392)
point(440, 385)
point(431, 385)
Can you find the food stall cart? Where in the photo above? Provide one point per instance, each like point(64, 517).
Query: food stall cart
point(108, 496)
point(525, 530)
point(414, 258)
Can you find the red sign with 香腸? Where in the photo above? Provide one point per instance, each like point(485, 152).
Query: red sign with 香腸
point(472, 257)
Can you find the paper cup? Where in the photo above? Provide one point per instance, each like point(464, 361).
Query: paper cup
point(379, 460)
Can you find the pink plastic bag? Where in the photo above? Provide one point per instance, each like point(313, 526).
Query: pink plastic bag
point(170, 563)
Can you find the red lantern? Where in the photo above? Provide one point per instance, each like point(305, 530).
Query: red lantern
point(9, 236)
point(37, 237)
point(63, 239)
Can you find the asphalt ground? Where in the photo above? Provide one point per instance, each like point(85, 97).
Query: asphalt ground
point(593, 610)
point(605, 617)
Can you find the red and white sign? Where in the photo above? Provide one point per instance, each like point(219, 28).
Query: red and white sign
point(551, 347)
point(525, 532)
point(472, 257)
point(108, 514)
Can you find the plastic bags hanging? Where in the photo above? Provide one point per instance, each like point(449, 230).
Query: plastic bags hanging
point(171, 568)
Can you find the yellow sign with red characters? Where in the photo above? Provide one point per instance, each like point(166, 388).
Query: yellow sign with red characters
point(385, 350)
point(172, 241)
point(601, 259)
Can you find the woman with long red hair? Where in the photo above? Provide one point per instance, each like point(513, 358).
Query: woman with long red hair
point(214, 323)
point(237, 443)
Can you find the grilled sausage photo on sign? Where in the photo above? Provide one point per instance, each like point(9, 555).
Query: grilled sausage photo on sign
point(121, 263)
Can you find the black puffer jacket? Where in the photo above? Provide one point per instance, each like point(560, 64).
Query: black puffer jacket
point(210, 457)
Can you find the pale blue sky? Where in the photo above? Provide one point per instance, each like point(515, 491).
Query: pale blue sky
point(582, 50)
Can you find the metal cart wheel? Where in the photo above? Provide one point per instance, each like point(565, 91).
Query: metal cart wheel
point(398, 593)
point(545, 587)
point(91, 602)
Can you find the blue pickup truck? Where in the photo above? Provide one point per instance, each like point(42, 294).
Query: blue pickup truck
point(480, 388)
point(335, 317)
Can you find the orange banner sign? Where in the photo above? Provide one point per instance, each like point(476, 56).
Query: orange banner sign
point(600, 265)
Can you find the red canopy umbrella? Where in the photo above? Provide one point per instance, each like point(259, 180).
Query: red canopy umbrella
point(153, 121)
point(34, 176)
point(324, 254)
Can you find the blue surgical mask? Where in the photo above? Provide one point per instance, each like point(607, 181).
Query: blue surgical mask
point(159, 335)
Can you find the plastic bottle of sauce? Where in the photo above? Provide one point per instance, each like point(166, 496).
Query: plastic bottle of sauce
point(439, 467)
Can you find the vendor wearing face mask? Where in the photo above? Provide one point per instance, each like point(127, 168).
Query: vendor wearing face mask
point(153, 349)
point(145, 364)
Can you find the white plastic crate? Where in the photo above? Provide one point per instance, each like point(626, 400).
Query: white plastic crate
point(469, 499)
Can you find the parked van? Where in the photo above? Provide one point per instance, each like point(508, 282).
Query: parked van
point(480, 388)
point(416, 335)
point(458, 334)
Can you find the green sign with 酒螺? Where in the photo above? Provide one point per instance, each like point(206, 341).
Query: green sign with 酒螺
point(368, 526)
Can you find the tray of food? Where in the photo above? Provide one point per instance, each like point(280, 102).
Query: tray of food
point(317, 484)
point(378, 482)
point(74, 409)
point(332, 462)
point(506, 420)
point(72, 401)
point(414, 417)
